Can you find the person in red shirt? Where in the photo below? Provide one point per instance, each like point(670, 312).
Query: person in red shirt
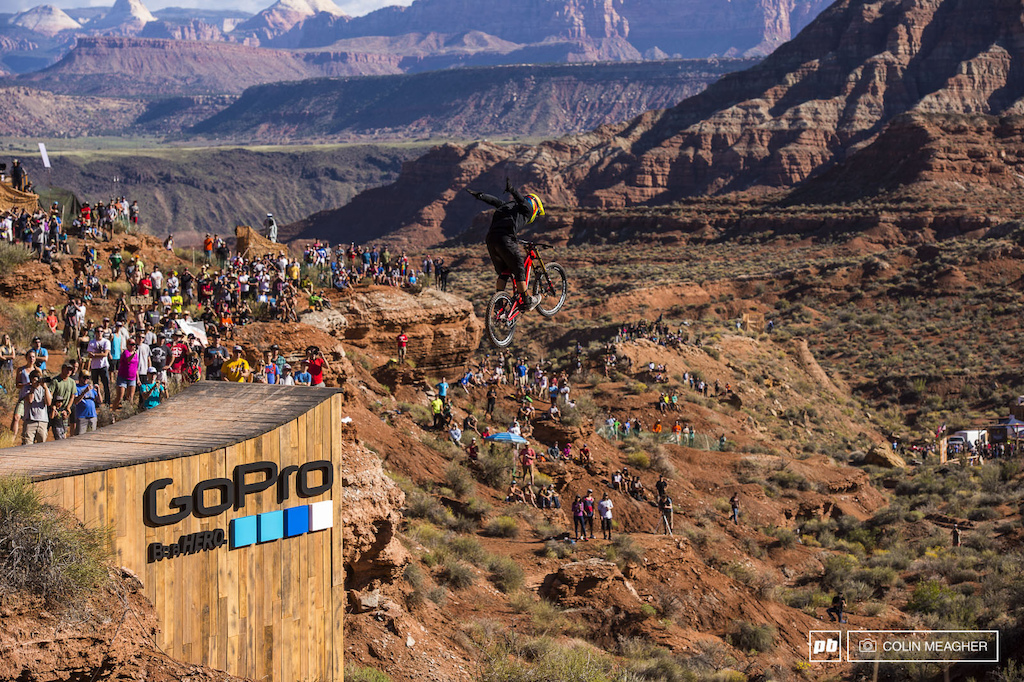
point(145, 286)
point(527, 456)
point(178, 352)
point(403, 341)
point(317, 365)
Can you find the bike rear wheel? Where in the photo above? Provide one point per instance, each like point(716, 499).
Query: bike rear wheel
point(499, 327)
point(553, 285)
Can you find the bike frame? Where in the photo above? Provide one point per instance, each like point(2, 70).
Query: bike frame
point(531, 254)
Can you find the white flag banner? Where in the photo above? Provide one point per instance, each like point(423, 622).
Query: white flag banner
point(46, 157)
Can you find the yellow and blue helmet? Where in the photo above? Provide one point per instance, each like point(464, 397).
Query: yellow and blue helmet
point(536, 205)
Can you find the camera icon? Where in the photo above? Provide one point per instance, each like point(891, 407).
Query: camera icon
point(867, 646)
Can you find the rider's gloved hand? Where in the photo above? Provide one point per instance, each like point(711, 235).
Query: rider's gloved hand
point(508, 186)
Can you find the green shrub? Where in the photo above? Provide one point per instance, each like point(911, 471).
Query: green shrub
point(469, 549)
point(459, 480)
point(456, 574)
point(494, 467)
point(638, 460)
point(624, 550)
point(750, 637)
point(931, 596)
point(358, 673)
point(502, 527)
point(45, 551)
point(13, 255)
point(506, 574)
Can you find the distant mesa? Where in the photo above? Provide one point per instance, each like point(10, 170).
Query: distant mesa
point(45, 19)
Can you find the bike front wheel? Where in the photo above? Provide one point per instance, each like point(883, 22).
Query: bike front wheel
point(553, 286)
point(500, 326)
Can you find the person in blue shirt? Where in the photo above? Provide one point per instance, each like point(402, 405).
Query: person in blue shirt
point(85, 404)
point(304, 378)
point(442, 388)
point(41, 353)
point(152, 392)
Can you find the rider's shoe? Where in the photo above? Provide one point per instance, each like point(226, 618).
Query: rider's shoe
point(532, 302)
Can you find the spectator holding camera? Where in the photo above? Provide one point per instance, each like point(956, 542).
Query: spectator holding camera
point(86, 398)
point(317, 365)
point(37, 409)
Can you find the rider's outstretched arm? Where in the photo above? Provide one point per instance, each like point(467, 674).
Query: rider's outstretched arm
point(486, 198)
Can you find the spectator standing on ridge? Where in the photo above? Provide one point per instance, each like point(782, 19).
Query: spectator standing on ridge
point(403, 342)
point(604, 508)
point(665, 506)
point(588, 512)
point(271, 226)
point(85, 404)
point(734, 503)
point(237, 369)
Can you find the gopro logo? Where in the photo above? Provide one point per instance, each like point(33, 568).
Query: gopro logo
point(824, 646)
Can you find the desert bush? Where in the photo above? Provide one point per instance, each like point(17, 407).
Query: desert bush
point(358, 673)
point(624, 550)
point(839, 569)
point(13, 255)
point(553, 549)
point(45, 551)
point(502, 527)
point(458, 479)
point(477, 507)
point(494, 466)
point(638, 460)
point(468, 549)
point(506, 574)
point(456, 574)
point(750, 637)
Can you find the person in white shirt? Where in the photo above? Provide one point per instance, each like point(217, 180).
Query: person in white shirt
point(98, 351)
point(286, 376)
point(604, 510)
point(158, 278)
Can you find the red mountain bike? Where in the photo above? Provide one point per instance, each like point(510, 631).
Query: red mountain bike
point(547, 280)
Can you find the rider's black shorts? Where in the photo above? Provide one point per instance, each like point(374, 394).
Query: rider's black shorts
point(506, 255)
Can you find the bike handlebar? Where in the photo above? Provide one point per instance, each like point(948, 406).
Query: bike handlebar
point(535, 244)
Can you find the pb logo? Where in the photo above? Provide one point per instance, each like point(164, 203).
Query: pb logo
point(824, 646)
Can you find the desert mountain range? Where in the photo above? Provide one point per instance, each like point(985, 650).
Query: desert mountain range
point(820, 102)
point(459, 31)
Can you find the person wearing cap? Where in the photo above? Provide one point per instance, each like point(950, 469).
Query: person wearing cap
point(236, 369)
point(151, 390)
point(51, 320)
point(63, 389)
point(473, 450)
point(588, 512)
point(286, 376)
point(214, 357)
point(278, 359)
point(41, 353)
point(87, 396)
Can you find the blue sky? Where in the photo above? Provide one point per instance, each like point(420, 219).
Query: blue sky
point(351, 7)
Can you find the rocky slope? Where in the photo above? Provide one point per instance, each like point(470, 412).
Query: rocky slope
point(520, 101)
point(191, 192)
point(28, 112)
point(815, 101)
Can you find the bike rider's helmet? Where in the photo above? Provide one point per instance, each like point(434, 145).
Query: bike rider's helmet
point(535, 205)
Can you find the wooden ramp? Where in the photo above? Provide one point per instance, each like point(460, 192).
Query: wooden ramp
point(206, 416)
point(249, 583)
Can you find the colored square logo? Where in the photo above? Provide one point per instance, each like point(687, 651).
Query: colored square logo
point(296, 521)
point(321, 515)
point(270, 526)
point(243, 531)
point(825, 646)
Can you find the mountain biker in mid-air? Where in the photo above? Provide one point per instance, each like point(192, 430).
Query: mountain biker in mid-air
point(502, 243)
